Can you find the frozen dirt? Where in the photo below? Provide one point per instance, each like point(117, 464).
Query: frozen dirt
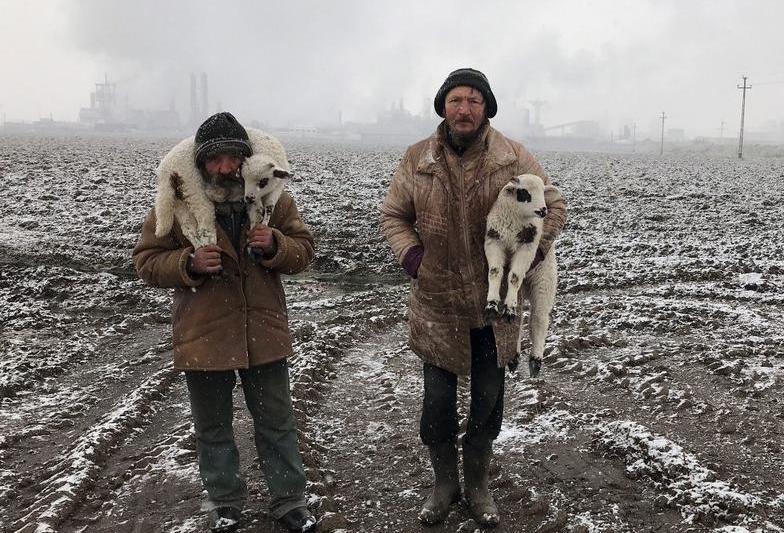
point(660, 406)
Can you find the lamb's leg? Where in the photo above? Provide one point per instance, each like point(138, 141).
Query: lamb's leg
point(255, 215)
point(494, 252)
point(522, 332)
point(256, 212)
point(269, 203)
point(542, 298)
point(267, 214)
point(521, 261)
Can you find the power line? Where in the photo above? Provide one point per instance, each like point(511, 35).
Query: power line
point(742, 116)
point(769, 82)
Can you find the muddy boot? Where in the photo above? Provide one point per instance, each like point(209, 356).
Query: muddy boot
point(476, 470)
point(446, 489)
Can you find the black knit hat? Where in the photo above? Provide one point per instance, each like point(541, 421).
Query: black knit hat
point(219, 134)
point(472, 78)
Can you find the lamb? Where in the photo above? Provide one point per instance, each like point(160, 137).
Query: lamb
point(514, 228)
point(264, 182)
point(184, 196)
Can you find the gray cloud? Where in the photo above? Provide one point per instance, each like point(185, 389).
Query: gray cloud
point(304, 61)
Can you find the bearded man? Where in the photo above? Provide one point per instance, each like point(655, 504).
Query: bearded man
point(434, 217)
point(230, 318)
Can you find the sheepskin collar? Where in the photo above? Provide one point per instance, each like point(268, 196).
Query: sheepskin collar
point(185, 196)
point(499, 152)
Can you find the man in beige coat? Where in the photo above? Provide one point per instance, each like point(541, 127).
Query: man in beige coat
point(229, 316)
point(434, 218)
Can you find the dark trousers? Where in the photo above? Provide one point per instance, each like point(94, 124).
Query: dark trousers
point(439, 421)
point(268, 397)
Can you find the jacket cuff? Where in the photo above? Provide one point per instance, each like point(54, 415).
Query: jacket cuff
point(277, 260)
point(190, 280)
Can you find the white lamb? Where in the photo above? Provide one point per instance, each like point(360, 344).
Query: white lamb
point(183, 194)
point(264, 180)
point(514, 228)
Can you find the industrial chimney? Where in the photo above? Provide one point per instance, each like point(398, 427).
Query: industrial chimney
point(204, 110)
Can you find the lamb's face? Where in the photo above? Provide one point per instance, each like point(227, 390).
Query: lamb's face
point(261, 175)
point(527, 191)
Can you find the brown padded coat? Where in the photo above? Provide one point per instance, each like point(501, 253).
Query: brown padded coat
point(237, 318)
point(441, 201)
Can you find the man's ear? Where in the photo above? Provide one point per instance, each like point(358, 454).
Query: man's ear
point(280, 173)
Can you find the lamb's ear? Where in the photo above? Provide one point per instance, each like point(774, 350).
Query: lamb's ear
point(280, 173)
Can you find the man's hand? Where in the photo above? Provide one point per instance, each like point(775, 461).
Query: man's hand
point(206, 260)
point(413, 259)
point(261, 238)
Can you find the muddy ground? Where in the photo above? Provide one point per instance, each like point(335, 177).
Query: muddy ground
point(659, 408)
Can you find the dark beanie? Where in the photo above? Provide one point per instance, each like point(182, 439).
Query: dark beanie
point(221, 134)
point(472, 78)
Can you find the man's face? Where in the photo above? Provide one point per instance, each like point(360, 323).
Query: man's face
point(223, 166)
point(465, 110)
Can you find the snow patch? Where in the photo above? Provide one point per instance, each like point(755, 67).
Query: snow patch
point(676, 472)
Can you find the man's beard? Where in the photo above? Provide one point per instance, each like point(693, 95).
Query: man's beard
point(463, 140)
point(225, 187)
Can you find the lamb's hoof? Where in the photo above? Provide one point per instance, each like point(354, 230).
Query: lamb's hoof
point(509, 314)
point(534, 366)
point(493, 310)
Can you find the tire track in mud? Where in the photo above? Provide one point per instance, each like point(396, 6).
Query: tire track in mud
point(565, 459)
point(130, 458)
point(631, 342)
point(67, 480)
point(654, 376)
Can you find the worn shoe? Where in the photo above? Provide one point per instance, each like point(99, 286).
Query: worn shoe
point(446, 488)
point(299, 519)
point(224, 519)
point(476, 469)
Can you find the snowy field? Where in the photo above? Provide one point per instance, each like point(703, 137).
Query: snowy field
point(660, 406)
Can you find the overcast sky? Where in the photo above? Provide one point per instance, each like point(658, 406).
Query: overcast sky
point(290, 62)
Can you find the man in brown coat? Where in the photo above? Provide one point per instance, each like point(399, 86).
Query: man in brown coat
point(434, 218)
point(230, 317)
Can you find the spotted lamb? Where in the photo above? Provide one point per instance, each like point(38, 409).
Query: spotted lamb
point(514, 228)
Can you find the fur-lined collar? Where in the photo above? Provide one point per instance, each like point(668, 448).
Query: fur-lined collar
point(186, 197)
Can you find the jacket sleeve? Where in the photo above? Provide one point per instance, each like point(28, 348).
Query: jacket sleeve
point(162, 261)
point(556, 205)
point(397, 211)
point(294, 240)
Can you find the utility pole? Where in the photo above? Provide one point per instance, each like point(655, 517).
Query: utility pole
point(721, 129)
point(742, 116)
point(661, 148)
point(634, 137)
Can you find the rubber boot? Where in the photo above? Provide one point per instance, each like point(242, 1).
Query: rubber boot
point(446, 488)
point(476, 470)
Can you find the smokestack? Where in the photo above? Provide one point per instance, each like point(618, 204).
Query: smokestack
point(204, 110)
point(194, 102)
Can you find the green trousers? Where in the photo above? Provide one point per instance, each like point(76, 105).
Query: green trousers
point(268, 397)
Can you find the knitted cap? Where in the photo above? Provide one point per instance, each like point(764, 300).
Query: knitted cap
point(472, 78)
point(221, 134)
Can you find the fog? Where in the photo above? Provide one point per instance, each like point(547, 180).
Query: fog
point(288, 62)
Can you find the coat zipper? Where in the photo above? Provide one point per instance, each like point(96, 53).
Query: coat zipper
point(241, 271)
point(466, 240)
